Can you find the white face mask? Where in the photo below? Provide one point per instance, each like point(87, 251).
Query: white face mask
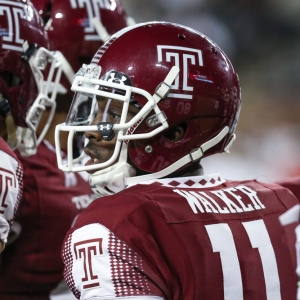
point(115, 114)
point(48, 85)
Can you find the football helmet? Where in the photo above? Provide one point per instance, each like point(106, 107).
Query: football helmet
point(78, 28)
point(29, 73)
point(144, 81)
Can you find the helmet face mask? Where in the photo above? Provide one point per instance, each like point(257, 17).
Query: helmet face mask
point(47, 70)
point(178, 78)
point(111, 111)
point(29, 75)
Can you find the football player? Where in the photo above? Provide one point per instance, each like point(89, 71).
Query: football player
point(27, 71)
point(32, 268)
point(156, 99)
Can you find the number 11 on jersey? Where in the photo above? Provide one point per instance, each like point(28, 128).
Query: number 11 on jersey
point(222, 241)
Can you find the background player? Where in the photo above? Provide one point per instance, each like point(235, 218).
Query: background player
point(27, 70)
point(32, 268)
point(155, 100)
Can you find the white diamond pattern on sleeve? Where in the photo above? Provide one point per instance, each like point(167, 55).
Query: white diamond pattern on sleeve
point(127, 268)
point(67, 258)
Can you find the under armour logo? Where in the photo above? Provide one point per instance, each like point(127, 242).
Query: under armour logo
point(104, 127)
point(117, 77)
point(114, 79)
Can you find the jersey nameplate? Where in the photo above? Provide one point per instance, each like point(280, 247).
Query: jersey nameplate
point(229, 203)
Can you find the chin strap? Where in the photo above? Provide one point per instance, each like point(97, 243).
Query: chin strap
point(194, 155)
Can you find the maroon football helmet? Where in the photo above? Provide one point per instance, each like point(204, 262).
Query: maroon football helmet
point(71, 26)
point(24, 63)
point(176, 76)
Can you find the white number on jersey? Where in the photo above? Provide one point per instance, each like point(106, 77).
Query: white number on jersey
point(222, 241)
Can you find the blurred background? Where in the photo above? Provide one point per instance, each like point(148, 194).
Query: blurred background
point(262, 39)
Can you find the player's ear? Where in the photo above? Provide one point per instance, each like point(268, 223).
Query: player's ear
point(175, 133)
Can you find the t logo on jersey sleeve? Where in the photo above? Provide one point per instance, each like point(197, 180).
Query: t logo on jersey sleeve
point(87, 262)
point(7, 179)
point(87, 250)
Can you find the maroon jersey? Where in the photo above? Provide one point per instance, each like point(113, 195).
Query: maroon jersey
point(184, 238)
point(31, 266)
point(11, 183)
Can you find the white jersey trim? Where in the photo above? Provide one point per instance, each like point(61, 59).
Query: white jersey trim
point(203, 181)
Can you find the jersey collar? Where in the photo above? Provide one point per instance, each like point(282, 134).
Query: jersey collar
point(203, 181)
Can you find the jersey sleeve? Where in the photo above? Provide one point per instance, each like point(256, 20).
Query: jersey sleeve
point(99, 264)
point(11, 184)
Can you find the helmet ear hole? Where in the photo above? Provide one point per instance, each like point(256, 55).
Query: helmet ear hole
point(176, 133)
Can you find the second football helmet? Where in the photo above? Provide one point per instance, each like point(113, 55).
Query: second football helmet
point(78, 28)
point(143, 82)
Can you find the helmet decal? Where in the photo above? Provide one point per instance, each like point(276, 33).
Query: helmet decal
point(13, 12)
point(183, 57)
point(92, 11)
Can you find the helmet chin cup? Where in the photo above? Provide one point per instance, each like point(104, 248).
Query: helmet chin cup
point(27, 145)
point(109, 181)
